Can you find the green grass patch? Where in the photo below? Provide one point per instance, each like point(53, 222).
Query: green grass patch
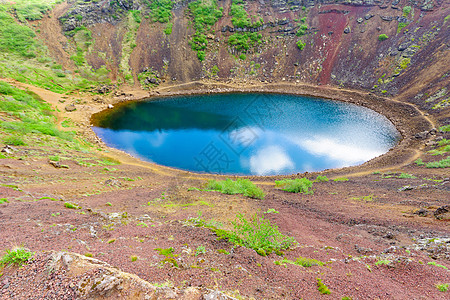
point(17, 257)
point(321, 179)
point(161, 10)
point(443, 163)
point(54, 158)
point(71, 205)
point(340, 179)
point(444, 142)
point(419, 162)
point(3, 200)
point(443, 287)
point(14, 140)
point(298, 185)
point(302, 30)
point(240, 186)
point(168, 29)
point(445, 128)
point(382, 37)
point(33, 117)
point(406, 176)
point(301, 261)
point(259, 234)
point(323, 289)
point(300, 44)
point(255, 233)
point(432, 263)
point(383, 262)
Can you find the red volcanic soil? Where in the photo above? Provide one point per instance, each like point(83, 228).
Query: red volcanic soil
point(375, 233)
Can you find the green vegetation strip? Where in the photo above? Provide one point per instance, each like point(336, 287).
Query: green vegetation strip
point(204, 15)
point(240, 186)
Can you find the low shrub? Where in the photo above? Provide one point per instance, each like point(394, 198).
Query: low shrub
point(240, 186)
point(298, 185)
point(382, 37)
point(17, 256)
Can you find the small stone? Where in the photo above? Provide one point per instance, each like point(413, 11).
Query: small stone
point(110, 106)
point(441, 210)
point(421, 212)
point(70, 108)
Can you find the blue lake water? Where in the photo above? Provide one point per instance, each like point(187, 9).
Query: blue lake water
point(258, 134)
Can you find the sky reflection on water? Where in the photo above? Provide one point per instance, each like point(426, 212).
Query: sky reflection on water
point(260, 134)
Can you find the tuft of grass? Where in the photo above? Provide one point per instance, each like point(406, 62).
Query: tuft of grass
point(14, 141)
point(382, 262)
point(71, 205)
point(110, 241)
point(255, 233)
point(443, 163)
point(3, 200)
point(382, 37)
point(301, 261)
point(240, 186)
point(108, 203)
point(259, 234)
point(17, 256)
point(271, 211)
point(406, 175)
point(54, 158)
point(443, 287)
point(300, 45)
point(321, 179)
point(323, 289)
point(340, 179)
point(88, 254)
point(298, 185)
point(445, 128)
point(200, 250)
point(432, 263)
point(419, 162)
point(133, 258)
point(142, 224)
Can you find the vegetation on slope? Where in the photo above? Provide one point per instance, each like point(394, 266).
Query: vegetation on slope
point(204, 15)
point(24, 58)
point(29, 120)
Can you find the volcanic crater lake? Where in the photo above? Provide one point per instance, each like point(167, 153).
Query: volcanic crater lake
point(248, 134)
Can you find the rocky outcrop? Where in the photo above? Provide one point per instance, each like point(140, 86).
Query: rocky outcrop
point(94, 279)
point(89, 13)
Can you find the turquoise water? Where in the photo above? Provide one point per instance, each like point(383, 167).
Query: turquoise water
point(258, 134)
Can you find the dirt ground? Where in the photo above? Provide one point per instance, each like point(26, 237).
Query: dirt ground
point(376, 233)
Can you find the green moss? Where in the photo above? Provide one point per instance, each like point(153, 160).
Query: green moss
point(382, 37)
